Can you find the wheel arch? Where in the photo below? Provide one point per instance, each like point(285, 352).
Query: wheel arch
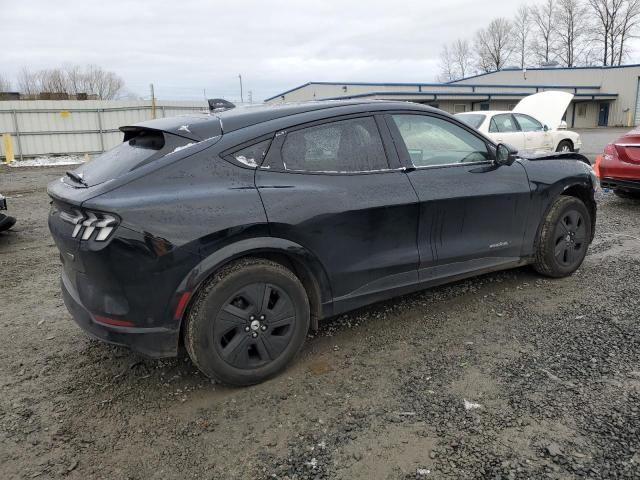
point(291, 255)
point(566, 139)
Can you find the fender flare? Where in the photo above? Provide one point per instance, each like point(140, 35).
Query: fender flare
point(558, 190)
point(260, 245)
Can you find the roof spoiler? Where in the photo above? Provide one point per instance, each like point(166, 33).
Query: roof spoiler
point(219, 105)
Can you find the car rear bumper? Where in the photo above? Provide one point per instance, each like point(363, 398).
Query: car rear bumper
point(155, 342)
point(620, 184)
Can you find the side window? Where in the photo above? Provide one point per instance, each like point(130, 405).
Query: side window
point(434, 141)
point(503, 123)
point(528, 124)
point(252, 155)
point(351, 145)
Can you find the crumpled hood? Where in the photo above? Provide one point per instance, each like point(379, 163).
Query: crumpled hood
point(547, 107)
point(555, 156)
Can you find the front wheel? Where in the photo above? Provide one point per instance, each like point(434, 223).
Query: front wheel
point(563, 238)
point(565, 146)
point(247, 322)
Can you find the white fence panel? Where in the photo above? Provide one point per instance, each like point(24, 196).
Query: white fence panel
point(75, 127)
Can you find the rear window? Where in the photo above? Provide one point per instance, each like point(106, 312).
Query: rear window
point(132, 153)
point(472, 119)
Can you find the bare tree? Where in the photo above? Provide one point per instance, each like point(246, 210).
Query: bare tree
point(28, 82)
point(543, 20)
point(629, 21)
point(571, 25)
point(106, 85)
point(71, 80)
point(522, 29)
point(462, 57)
point(447, 72)
point(5, 84)
point(494, 45)
point(53, 80)
point(606, 13)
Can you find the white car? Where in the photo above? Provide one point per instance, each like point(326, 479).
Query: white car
point(534, 125)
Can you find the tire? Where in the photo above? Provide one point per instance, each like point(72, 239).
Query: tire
point(248, 322)
point(564, 238)
point(6, 222)
point(565, 146)
point(624, 194)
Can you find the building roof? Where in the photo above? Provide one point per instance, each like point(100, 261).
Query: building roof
point(457, 84)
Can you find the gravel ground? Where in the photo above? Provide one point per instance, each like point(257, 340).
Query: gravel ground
point(508, 375)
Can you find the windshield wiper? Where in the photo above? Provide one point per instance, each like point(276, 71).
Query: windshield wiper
point(77, 178)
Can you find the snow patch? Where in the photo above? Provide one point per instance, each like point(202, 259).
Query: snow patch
point(471, 405)
point(249, 162)
point(184, 128)
point(48, 161)
point(182, 147)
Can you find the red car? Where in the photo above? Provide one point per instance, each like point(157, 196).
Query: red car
point(619, 167)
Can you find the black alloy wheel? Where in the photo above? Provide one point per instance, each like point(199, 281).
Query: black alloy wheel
point(254, 326)
point(570, 239)
point(248, 322)
point(563, 238)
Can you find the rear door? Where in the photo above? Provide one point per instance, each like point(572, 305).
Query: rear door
point(536, 138)
point(472, 213)
point(504, 129)
point(330, 187)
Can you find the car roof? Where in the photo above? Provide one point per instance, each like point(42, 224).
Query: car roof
point(204, 125)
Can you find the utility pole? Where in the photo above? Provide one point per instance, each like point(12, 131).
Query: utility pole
point(153, 102)
point(250, 95)
point(241, 95)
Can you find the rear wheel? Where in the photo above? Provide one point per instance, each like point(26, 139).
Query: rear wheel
point(248, 322)
point(565, 146)
point(564, 238)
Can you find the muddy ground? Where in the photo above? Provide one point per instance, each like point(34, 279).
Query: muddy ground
point(509, 375)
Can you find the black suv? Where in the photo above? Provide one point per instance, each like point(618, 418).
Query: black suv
point(235, 232)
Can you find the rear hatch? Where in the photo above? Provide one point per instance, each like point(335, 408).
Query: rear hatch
point(142, 144)
point(145, 146)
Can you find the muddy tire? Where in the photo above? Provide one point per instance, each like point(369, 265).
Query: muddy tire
point(563, 239)
point(565, 146)
point(248, 322)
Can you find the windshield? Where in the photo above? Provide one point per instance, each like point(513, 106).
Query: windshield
point(472, 119)
point(132, 153)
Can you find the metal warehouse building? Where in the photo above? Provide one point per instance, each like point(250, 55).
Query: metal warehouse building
point(603, 96)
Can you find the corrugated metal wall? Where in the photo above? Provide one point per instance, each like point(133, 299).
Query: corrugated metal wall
point(52, 127)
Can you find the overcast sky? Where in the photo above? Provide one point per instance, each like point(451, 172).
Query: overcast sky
point(185, 46)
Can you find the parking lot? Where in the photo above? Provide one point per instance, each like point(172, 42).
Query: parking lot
point(509, 375)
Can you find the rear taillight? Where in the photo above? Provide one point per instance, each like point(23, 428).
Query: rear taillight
point(88, 223)
point(610, 153)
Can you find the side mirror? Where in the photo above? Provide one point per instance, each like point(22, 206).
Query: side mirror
point(545, 128)
point(505, 154)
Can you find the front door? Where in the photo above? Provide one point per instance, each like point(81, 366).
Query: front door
point(603, 115)
point(536, 135)
point(472, 213)
point(504, 129)
point(328, 186)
